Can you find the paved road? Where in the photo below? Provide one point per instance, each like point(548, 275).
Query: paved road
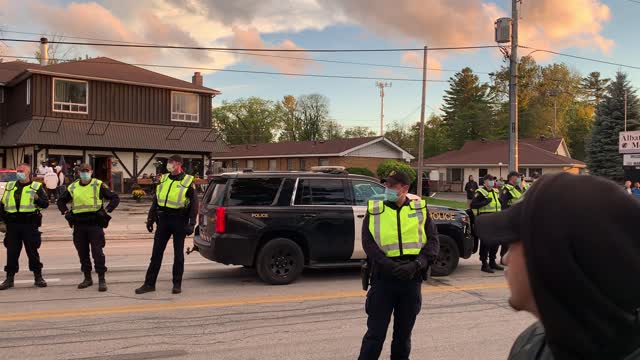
point(227, 313)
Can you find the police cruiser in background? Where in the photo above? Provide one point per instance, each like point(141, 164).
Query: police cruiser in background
point(282, 222)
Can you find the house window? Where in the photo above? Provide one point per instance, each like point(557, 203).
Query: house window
point(185, 107)
point(234, 164)
point(273, 164)
point(290, 164)
point(28, 92)
point(323, 162)
point(1, 95)
point(303, 164)
point(523, 171)
point(249, 164)
point(69, 96)
point(535, 171)
point(454, 174)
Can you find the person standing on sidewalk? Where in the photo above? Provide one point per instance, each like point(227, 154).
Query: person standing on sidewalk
point(174, 209)
point(88, 219)
point(20, 209)
point(470, 188)
point(487, 201)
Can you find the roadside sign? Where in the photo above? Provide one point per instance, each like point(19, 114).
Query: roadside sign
point(631, 160)
point(629, 142)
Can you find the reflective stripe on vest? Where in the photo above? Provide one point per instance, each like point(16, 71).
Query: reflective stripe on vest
point(27, 199)
point(516, 195)
point(383, 225)
point(494, 206)
point(172, 193)
point(85, 198)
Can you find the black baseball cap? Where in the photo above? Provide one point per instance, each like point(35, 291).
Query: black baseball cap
point(513, 173)
point(399, 177)
point(176, 158)
point(489, 177)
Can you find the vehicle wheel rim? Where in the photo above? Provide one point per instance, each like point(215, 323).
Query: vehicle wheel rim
point(444, 256)
point(282, 263)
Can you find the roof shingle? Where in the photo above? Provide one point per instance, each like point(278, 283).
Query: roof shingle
point(9, 70)
point(329, 147)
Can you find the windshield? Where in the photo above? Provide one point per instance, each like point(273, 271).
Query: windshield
point(7, 176)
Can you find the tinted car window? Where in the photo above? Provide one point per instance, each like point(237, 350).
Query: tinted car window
point(215, 192)
point(7, 176)
point(320, 192)
point(253, 192)
point(367, 190)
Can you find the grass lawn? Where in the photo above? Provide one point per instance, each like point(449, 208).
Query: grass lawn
point(449, 203)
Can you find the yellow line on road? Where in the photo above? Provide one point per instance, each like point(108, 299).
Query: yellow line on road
point(185, 305)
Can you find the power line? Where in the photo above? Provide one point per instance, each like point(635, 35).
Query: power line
point(264, 55)
point(582, 57)
point(249, 49)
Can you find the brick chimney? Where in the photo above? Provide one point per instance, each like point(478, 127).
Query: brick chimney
point(196, 79)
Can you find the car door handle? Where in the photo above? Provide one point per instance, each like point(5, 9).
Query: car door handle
point(360, 216)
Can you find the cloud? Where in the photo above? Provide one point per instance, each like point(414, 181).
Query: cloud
point(415, 58)
point(250, 39)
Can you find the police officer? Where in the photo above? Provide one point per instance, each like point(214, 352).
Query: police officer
point(400, 241)
point(20, 208)
point(510, 194)
point(487, 201)
point(88, 219)
point(174, 209)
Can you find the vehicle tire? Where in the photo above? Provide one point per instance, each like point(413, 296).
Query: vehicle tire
point(280, 262)
point(448, 257)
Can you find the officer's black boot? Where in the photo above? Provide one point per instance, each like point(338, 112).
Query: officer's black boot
point(102, 282)
point(486, 268)
point(88, 281)
point(145, 289)
point(8, 283)
point(38, 279)
point(177, 287)
point(493, 265)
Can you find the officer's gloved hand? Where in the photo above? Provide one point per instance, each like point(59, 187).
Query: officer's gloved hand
point(406, 271)
point(189, 229)
point(150, 226)
point(431, 259)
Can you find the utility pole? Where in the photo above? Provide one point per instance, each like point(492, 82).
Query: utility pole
point(513, 89)
point(625, 110)
point(421, 141)
point(382, 85)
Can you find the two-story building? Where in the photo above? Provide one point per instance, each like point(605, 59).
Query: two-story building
point(124, 120)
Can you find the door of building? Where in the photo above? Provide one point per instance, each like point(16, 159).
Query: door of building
point(102, 168)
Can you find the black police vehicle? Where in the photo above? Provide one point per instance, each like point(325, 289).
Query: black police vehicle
point(281, 222)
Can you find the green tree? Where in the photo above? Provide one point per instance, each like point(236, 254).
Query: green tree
point(247, 121)
point(406, 138)
point(594, 87)
point(467, 113)
point(436, 139)
point(331, 130)
point(388, 166)
point(358, 132)
point(291, 122)
point(603, 158)
point(579, 118)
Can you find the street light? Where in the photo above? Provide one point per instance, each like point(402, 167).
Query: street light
point(500, 166)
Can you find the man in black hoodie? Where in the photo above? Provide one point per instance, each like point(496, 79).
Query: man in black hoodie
point(574, 263)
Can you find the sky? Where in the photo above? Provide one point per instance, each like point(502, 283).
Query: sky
point(592, 28)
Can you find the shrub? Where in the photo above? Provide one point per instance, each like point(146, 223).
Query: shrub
point(360, 171)
point(389, 166)
point(138, 194)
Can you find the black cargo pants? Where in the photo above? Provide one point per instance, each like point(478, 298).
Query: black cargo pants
point(89, 240)
point(386, 296)
point(487, 253)
point(168, 225)
point(19, 234)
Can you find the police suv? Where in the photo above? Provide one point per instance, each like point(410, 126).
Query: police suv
point(281, 222)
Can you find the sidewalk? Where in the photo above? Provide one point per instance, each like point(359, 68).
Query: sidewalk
point(127, 223)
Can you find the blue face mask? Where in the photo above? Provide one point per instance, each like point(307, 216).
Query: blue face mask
point(491, 183)
point(21, 176)
point(85, 176)
point(518, 181)
point(391, 195)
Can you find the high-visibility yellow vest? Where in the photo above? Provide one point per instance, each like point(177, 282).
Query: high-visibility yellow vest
point(173, 193)
point(27, 200)
point(86, 198)
point(516, 194)
point(384, 223)
point(494, 206)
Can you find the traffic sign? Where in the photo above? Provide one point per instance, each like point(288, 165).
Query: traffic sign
point(631, 160)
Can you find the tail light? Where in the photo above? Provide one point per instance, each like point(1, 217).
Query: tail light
point(221, 223)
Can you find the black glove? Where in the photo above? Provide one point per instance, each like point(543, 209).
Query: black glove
point(189, 229)
point(149, 225)
point(69, 217)
point(431, 259)
point(406, 271)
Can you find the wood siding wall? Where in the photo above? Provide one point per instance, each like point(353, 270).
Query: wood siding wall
point(118, 103)
point(15, 106)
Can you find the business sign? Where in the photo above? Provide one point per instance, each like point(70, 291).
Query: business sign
point(631, 160)
point(629, 142)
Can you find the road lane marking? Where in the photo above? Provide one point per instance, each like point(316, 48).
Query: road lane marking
point(31, 281)
point(186, 305)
